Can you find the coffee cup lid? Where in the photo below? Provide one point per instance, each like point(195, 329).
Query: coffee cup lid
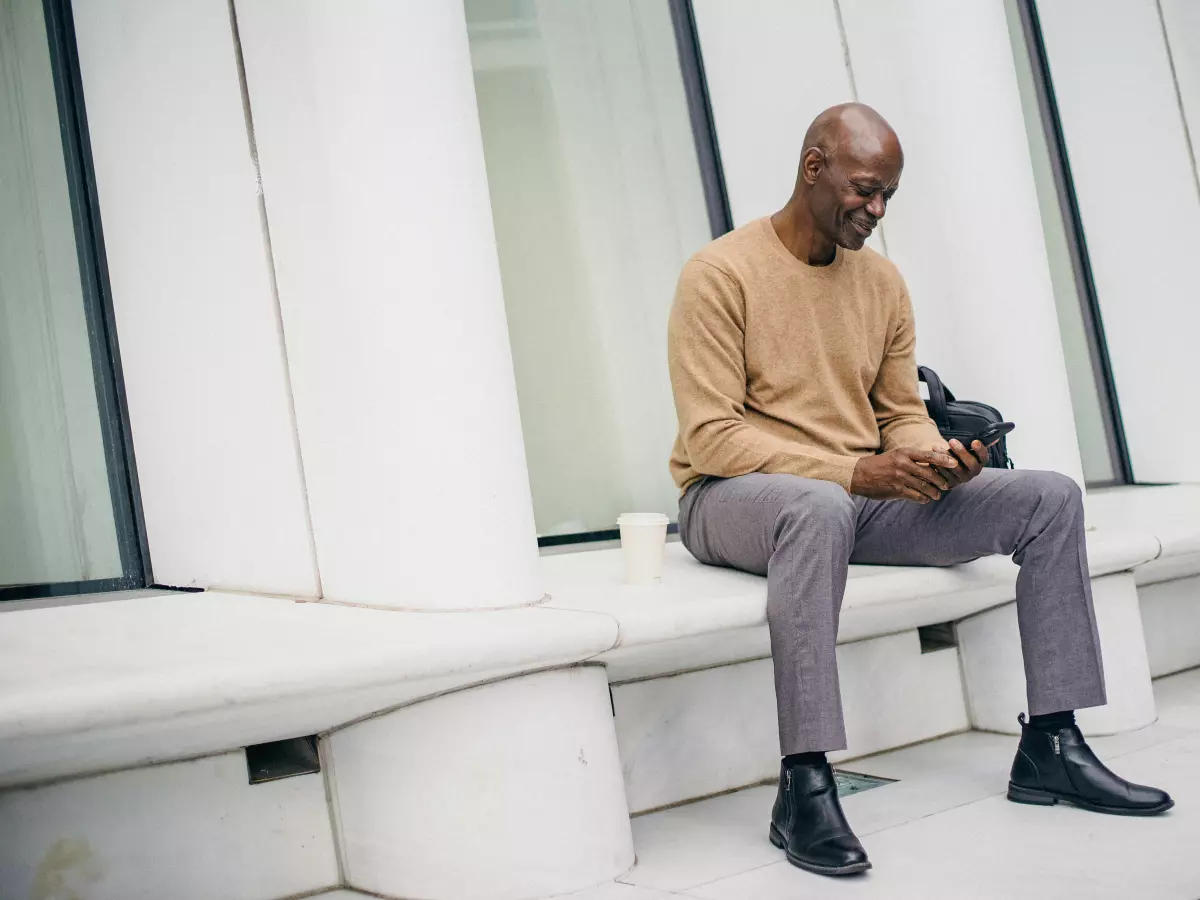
point(642, 519)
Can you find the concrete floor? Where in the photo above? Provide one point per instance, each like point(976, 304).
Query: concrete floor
point(945, 829)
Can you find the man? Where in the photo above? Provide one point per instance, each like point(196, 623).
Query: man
point(804, 446)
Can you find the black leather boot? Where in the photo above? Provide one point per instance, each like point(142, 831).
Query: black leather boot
point(808, 823)
point(1055, 766)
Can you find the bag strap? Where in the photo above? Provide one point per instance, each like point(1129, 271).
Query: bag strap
point(938, 396)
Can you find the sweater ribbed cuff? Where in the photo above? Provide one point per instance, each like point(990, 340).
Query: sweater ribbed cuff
point(842, 470)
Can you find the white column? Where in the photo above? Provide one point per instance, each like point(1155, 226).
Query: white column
point(965, 228)
point(1138, 200)
point(178, 830)
point(205, 376)
point(994, 673)
point(771, 67)
point(372, 167)
point(524, 771)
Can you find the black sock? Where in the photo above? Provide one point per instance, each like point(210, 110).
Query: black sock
point(815, 758)
point(1055, 721)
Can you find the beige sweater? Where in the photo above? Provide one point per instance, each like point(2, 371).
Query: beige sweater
point(782, 367)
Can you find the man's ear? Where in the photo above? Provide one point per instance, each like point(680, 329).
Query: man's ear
point(812, 163)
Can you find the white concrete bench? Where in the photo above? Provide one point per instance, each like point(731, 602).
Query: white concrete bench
point(107, 685)
point(1169, 586)
point(691, 674)
point(122, 774)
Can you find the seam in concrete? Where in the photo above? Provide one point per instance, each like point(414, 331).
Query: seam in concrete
point(639, 679)
point(1187, 132)
point(316, 892)
point(332, 806)
point(349, 604)
point(545, 598)
point(593, 612)
point(837, 11)
point(280, 331)
point(841, 24)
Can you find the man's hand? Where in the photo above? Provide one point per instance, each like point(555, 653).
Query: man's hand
point(970, 462)
point(904, 475)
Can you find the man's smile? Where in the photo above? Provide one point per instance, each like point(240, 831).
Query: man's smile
point(861, 227)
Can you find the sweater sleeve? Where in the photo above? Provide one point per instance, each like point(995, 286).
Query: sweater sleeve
point(896, 397)
point(707, 360)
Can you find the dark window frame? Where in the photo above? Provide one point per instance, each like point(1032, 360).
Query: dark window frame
point(101, 324)
point(712, 177)
point(1085, 286)
point(704, 129)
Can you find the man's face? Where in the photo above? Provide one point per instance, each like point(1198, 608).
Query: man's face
point(850, 192)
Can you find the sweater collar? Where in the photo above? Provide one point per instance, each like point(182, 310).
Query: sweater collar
point(798, 265)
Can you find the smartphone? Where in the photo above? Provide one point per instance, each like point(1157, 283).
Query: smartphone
point(989, 435)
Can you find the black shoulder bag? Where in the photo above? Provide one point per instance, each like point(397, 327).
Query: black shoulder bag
point(962, 418)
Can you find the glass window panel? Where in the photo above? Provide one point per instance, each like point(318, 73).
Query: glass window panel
point(597, 202)
point(1087, 398)
point(56, 512)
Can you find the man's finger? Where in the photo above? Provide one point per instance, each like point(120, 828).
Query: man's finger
point(964, 456)
point(934, 458)
point(928, 488)
point(914, 495)
point(981, 452)
point(927, 473)
point(956, 476)
point(969, 459)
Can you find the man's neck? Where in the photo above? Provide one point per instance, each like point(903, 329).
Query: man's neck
point(794, 227)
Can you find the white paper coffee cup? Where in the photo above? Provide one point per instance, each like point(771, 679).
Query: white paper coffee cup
point(643, 539)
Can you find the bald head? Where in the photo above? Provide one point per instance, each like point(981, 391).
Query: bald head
point(854, 129)
point(849, 169)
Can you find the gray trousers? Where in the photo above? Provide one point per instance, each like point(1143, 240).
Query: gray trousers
point(803, 534)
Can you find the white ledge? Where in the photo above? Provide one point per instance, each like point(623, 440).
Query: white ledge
point(694, 599)
point(1170, 512)
point(102, 685)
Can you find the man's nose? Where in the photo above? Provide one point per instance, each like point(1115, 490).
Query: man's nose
point(877, 206)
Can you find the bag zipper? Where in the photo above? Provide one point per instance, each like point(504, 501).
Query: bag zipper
point(1057, 750)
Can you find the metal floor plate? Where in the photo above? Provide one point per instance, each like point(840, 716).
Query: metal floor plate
point(853, 783)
